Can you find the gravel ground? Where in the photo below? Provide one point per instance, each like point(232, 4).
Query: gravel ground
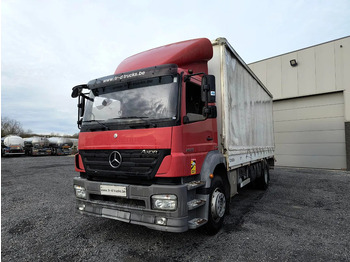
point(303, 216)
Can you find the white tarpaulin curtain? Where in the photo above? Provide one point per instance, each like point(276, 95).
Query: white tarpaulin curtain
point(248, 109)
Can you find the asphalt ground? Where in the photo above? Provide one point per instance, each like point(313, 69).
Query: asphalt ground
point(303, 216)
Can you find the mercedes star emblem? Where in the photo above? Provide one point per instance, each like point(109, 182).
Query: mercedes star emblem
point(115, 159)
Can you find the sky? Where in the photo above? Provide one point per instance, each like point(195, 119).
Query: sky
point(47, 47)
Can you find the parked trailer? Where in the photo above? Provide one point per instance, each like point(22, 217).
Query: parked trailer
point(37, 146)
point(60, 145)
point(75, 145)
point(169, 137)
point(2, 146)
point(12, 145)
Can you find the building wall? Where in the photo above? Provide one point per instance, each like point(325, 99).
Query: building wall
point(322, 71)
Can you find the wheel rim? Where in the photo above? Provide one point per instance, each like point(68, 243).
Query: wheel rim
point(218, 204)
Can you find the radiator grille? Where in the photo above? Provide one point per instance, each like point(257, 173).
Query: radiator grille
point(141, 164)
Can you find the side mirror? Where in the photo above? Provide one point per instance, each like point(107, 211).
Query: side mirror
point(208, 96)
point(208, 89)
point(81, 109)
point(77, 90)
point(210, 112)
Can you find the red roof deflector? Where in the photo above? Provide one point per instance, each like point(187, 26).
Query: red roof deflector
point(192, 54)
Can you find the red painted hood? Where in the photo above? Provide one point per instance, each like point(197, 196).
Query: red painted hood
point(152, 138)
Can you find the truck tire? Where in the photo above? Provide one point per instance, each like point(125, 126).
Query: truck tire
point(264, 179)
point(217, 206)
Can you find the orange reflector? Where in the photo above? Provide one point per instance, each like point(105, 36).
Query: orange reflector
point(211, 176)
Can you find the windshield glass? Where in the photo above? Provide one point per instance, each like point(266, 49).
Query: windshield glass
point(154, 98)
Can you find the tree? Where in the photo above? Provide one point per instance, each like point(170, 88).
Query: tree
point(10, 127)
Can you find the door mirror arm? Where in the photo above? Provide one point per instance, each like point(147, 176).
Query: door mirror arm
point(77, 92)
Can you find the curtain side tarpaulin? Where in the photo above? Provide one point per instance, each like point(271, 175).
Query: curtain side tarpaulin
point(248, 117)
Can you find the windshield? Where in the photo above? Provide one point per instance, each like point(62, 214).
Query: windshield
point(154, 98)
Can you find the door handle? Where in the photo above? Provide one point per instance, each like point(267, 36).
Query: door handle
point(209, 138)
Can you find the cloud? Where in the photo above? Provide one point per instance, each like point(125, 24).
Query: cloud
point(50, 46)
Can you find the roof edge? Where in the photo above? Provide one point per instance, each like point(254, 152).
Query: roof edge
point(312, 46)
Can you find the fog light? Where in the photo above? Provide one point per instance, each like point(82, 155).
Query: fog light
point(164, 202)
point(80, 192)
point(81, 207)
point(161, 221)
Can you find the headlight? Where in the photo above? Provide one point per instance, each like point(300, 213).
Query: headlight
point(80, 191)
point(164, 202)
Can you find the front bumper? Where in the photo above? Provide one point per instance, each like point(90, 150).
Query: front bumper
point(135, 208)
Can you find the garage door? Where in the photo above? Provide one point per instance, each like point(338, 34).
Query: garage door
point(309, 131)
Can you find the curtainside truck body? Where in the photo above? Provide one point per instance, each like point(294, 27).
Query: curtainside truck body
point(170, 137)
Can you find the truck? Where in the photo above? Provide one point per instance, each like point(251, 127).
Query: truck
point(12, 145)
point(171, 136)
point(60, 146)
point(37, 146)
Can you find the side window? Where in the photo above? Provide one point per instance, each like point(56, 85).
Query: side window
point(194, 104)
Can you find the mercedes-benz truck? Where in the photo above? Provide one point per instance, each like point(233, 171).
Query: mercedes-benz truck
point(167, 140)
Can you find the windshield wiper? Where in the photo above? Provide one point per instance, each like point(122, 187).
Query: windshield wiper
point(130, 117)
point(90, 121)
point(143, 118)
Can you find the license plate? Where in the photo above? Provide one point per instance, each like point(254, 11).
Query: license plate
point(113, 190)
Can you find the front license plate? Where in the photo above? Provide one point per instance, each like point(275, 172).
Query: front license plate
point(112, 190)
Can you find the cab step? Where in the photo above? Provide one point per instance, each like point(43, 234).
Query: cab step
point(195, 203)
point(245, 182)
point(196, 222)
point(195, 184)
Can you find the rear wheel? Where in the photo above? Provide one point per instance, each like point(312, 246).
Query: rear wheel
point(217, 206)
point(264, 179)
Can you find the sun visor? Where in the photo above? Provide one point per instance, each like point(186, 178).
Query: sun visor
point(192, 54)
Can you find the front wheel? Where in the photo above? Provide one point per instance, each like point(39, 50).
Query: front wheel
point(217, 206)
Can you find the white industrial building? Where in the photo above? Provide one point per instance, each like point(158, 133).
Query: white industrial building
point(311, 89)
